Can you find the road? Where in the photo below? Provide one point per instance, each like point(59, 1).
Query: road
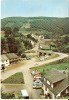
point(34, 93)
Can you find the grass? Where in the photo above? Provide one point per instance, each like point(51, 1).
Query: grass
point(50, 57)
point(7, 96)
point(16, 78)
point(47, 67)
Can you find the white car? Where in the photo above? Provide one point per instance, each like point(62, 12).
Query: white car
point(41, 59)
point(33, 72)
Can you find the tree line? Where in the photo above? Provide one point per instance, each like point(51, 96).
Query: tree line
point(14, 41)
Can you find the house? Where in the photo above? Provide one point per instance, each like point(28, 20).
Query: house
point(33, 44)
point(4, 60)
point(13, 58)
point(41, 37)
point(35, 36)
point(55, 84)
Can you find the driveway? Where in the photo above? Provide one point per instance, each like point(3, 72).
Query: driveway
point(34, 93)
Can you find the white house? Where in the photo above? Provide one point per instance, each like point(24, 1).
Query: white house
point(13, 58)
point(55, 85)
point(4, 60)
point(33, 44)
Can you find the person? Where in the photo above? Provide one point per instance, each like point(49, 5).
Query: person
point(3, 68)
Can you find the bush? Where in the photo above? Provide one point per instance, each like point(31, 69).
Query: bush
point(7, 96)
point(23, 56)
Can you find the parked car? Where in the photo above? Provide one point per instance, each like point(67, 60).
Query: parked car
point(25, 94)
point(33, 72)
point(36, 64)
point(28, 58)
point(46, 56)
point(37, 76)
point(37, 84)
point(41, 59)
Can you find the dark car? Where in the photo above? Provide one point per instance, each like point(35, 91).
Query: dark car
point(28, 58)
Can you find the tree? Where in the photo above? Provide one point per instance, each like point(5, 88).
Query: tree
point(65, 39)
point(4, 45)
point(7, 96)
point(23, 55)
point(62, 44)
point(16, 29)
point(12, 44)
point(52, 45)
point(28, 44)
point(29, 36)
point(8, 31)
point(21, 49)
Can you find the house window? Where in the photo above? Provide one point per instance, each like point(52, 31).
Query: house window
point(67, 91)
point(52, 85)
point(44, 79)
point(48, 82)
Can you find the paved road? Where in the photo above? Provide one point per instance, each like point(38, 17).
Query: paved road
point(34, 93)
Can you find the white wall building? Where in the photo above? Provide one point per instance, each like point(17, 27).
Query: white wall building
point(56, 85)
point(4, 60)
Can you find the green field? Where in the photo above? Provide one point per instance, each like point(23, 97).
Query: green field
point(47, 67)
point(16, 78)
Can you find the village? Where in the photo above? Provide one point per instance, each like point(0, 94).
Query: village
point(34, 49)
point(40, 85)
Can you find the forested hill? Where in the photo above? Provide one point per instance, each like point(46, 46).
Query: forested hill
point(38, 25)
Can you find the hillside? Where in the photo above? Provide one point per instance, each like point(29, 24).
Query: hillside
point(38, 25)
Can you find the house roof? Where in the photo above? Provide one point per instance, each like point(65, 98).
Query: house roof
point(11, 55)
point(4, 57)
point(62, 86)
point(59, 88)
point(54, 76)
point(4, 52)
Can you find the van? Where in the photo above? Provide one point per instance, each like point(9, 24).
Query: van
point(24, 94)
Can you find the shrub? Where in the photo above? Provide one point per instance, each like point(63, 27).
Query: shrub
point(7, 96)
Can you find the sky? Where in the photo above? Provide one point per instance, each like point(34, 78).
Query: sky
point(34, 8)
